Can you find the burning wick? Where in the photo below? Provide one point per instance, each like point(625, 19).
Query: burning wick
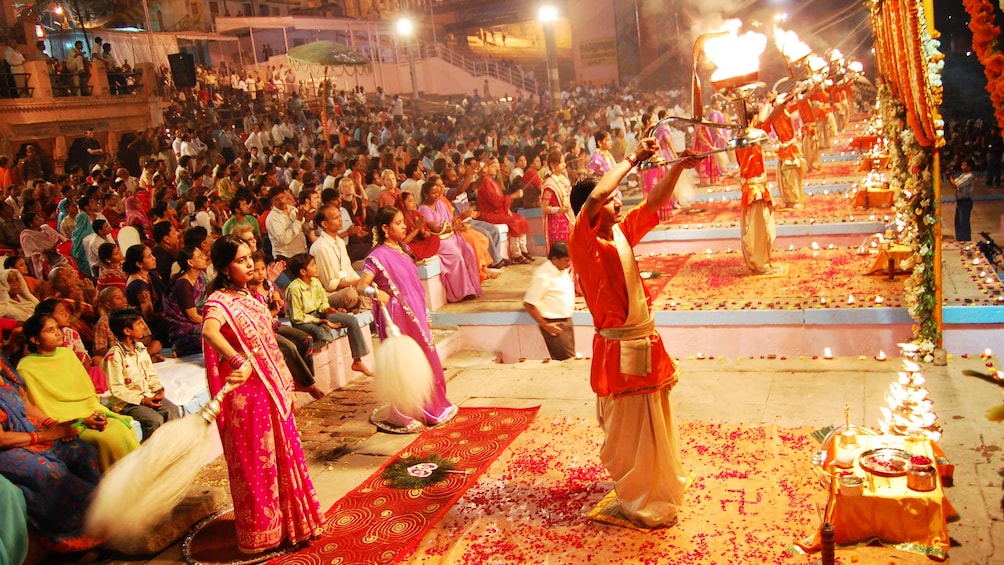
point(827, 353)
point(880, 356)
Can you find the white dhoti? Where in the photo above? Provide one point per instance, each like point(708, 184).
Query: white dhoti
point(757, 228)
point(641, 453)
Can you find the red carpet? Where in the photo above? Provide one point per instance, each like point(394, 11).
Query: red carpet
point(376, 523)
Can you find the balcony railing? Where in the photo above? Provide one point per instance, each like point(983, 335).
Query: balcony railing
point(125, 82)
point(15, 85)
point(70, 84)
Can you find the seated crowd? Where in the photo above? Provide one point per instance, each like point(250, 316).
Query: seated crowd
point(107, 270)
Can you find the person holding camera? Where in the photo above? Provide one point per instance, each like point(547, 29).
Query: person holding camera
point(963, 183)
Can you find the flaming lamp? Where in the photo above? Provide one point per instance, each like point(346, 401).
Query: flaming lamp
point(737, 77)
point(910, 411)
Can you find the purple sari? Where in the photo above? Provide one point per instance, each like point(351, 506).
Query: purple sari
point(460, 272)
point(396, 274)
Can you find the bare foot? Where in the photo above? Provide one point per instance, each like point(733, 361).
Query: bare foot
point(315, 391)
point(157, 358)
point(360, 367)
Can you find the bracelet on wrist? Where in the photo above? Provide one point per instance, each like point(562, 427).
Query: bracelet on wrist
point(370, 292)
point(34, 437)
point(49, 422)
point(236, 361)
point(632, 160)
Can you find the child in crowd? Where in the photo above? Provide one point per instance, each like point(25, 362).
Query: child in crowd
point(109, 300)
point(135, 387)
point(57, 309)
point(308, 309)
point(297, 346)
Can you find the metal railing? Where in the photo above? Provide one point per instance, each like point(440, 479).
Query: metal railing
point(478, 67)
point(121, 82)
point(15, 85)
point(70, 84)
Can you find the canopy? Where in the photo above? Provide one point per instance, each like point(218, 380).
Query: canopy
point(320, 55)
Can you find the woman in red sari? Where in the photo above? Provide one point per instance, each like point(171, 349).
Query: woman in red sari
point(419, 238)
point(274, 498)
point(493, 207)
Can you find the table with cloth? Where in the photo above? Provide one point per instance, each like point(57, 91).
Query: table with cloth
point(873, 197)
point(887, 510)
point(889, 258)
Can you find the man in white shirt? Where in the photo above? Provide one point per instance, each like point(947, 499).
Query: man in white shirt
point(15, 59)
point(258, 138)
point(412, 184)
point(334, 268)
point(550, 299)
point(284, 228)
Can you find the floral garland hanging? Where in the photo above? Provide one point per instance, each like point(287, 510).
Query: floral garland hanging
point(985, 33)
point(916, 207)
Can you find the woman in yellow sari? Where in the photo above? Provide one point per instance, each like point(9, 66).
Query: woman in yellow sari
point(59, 385)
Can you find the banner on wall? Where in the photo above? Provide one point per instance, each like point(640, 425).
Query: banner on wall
point(598, 52)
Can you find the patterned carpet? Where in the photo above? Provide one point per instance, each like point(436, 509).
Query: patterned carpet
point(376, 523)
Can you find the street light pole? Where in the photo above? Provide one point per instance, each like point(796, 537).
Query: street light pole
point(548, 15)
point(405, 28)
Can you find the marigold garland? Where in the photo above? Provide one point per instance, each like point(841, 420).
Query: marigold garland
point(911, 63)
point(912, 179)
point(982, 18)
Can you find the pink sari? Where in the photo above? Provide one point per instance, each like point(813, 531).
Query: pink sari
point(274, 498)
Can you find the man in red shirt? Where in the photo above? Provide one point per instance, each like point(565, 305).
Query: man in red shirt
point(631, 372)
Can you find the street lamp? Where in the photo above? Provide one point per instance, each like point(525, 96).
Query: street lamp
point(405, 29)
point(548, 15)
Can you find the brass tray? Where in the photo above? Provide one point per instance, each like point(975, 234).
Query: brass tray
point(885, 461)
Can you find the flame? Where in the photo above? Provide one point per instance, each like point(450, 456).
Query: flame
point(817, 63)
point(856, 66)
point(790, 45)
point(735, 55)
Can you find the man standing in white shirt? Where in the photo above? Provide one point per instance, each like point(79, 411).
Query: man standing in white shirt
point(334, 268)
point(15, 59)
point(284, 228)
point(550, 299)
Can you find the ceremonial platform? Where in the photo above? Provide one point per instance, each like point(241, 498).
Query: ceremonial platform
point(831, 287)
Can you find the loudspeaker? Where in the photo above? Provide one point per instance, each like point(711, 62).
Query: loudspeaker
point(182, 69)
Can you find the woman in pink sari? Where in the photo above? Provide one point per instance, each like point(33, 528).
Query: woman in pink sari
point(274, 498)
point(392, 270)
point(460, 273)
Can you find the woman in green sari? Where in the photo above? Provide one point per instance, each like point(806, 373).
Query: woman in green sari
point(59, 385)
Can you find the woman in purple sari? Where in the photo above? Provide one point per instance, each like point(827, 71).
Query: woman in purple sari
point(274, 498)
point(460, 271)
point(391, 268)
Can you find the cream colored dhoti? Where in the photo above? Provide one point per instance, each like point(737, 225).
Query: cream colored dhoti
point(789, 181)
point(810, 150)
point(641, 453)
point(757, 228)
